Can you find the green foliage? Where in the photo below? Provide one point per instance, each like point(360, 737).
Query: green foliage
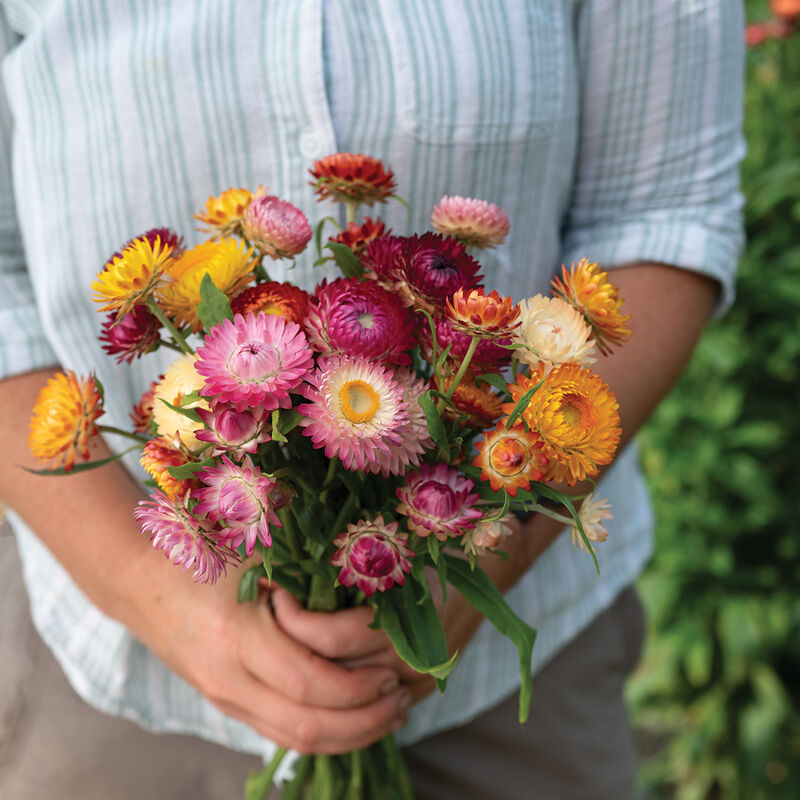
point(720, 683)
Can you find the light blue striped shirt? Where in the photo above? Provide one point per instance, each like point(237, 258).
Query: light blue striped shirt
point(606, 128)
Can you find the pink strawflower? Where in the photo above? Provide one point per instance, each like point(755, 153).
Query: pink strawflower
point(356, 411)
point(239, 498)
point(474, 223)
point(232, 431)
point(489, 355)
point(276, 227)
point(372, 555)
point(415, 439)
point(131, 335)
point(437, 500)
point(254, 361)
point(183, 537)
point(360, 318)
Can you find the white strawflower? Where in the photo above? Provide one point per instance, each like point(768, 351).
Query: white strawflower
point(592, 512)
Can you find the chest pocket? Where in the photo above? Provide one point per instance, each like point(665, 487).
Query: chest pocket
point(472, 72)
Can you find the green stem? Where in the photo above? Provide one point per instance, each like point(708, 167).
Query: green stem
point(290, 531)
point(473, 345)
point(330, 475)
point(322, 594)
point(170, 345)
point(398, 768)
point(344, 512)
point(155, 309)
point(350, 210)
point(355, 788)
point(258, 785)
point(120, 432)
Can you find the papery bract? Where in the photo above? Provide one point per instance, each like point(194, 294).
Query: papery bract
point(357, 237)
point(352, 178)
point(511, 458)
point(232, 431)
point(592, 512)
point(179, 380)
point(131, 335)
point(277, 228)
point(474, 223)
point(157, 456)
point(271, 297)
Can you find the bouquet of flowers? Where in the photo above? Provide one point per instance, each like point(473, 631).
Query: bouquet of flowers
point(351, 442)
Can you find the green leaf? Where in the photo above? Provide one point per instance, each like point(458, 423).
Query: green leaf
point(482, 594)
point(346, 259)
point(190, 413)
point(248, 584)
point(276, 434)
point(101, 390)
point(496, 380)
point(214, 306)
point(402, 203)
point(433, 548)
point(79, 467)
point(288, 420)
point(521, 405)
point(435, 424)
point(309, 515)
point(415, 630)
point(187, 471)
point(267, 562)
point(503, 510)
point(318, 236)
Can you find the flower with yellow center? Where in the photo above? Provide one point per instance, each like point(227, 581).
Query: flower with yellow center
point(510, 459)
point(64, 418)
point(222, 215)
point(587, 288)
point(229, 264)
point(179, 380)
point(130, 279)
point(576, 416)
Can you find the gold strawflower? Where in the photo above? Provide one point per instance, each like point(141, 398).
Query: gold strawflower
point(129, 279)
point(222, 215)
point(228, 262)
point(577, 417)
point(587, 288)
point(510, 459)
point(64, 417)
point(157, 455)
point(180, 379)
point(488, 316)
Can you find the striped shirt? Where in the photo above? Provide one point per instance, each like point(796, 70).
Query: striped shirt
point(606, 128)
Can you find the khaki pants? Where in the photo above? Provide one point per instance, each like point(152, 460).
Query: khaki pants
point(577, 744)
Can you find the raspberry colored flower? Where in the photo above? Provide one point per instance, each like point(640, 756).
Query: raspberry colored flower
point(372, 555)
point(131, 335)
point(489, 355)
point(488, 316)
point(437, 500)
point(352, 178)
point(240, 499)
point(474, 223)
point(232, 431)
point(356, 411)
point(380, 260)
point(276, 227)
point(184, 538)
point(357, 237)
point(510, 459)
point(254, 360)
point(363, 319)
point(64, 419)
point(157, 456)
point(272, 297)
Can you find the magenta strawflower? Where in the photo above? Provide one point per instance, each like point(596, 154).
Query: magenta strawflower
point(356, 412)
point(130, 336)
point(489, 355)
point(183, 537)
point(380, 259)
point(239, 498)
point(254, 361)
point(232, 431)
point(276, 227)
point(372, 555)
point(437, 500)
point(474, 223)
point(352, 317)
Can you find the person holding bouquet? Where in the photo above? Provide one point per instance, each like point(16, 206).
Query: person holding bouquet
point(607, 130)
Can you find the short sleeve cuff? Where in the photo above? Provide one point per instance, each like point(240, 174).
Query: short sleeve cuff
point(23, 344)
point(708, 249)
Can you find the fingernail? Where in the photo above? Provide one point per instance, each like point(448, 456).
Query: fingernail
point(389, 685)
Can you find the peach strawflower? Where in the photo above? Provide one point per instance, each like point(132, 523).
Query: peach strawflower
point(474, 223)
point(228, 262)
point(157, 455)
point(488, 316)
point(487, 535)
point(271, 297)
point(587, 288)
point(64, 419)
point(131, 278)
point(353, 178)
point(481, 405)
point(180, 379)
point(576, 416)
point(222, 215)
point(592, 512)
point(357, 237)
point(552, 331)
point(510, 459)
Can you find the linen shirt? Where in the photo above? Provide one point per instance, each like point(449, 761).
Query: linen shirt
point(606, 128)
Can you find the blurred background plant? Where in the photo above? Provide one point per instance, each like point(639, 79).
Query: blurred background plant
point(717, 697)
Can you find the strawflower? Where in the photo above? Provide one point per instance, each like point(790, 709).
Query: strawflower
point(477, 401)
point(232, 431)
point(157, 456)
point(415, 440)
point(592, 512)
point(510, 459)
point(487, 535)
point(357, 237)
point(64, 419)
point(254, 361)
point(277, 228)
point(142, 413)
point(131, 335)
point(474, 223)
point(478, 314)
point(184, 538)
point(271, 297)
point(489, 355)
point(239, 498)
point(180, 379)
point(352, 178)
point(438, 500)
point(372, 556)
point(223, 214)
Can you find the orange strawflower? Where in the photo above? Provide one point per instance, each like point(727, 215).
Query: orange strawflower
point(157, 455)
point(787, 9)
point(222, 215)
point(64, 417)
point(587, 288)
point(357, 237)
point(478, 401)
point(510, 459)
point(142, 413)
point(272, 297)
point(352, 178)
point(478, 314)
point(576, 416)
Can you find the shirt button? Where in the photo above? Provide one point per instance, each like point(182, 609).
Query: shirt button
point(310, 145)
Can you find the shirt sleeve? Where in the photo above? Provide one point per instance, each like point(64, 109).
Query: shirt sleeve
point(23, 343)
point(660, 141)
